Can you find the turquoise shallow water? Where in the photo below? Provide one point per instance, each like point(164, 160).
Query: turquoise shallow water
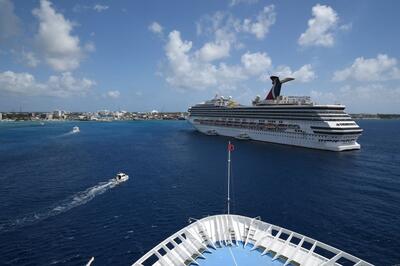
point(58, 207)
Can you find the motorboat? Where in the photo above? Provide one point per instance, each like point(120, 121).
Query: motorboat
point(243, 136)
point(212, 132)
point(75, 129)
point(121, 177)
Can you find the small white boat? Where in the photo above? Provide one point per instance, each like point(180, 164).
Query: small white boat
point(121, 177)
point(75, 129)
point(211, 132)
point(243, 136)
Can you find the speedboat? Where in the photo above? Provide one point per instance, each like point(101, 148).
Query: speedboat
point(211, 132)
point(243, 136)
point(75, 129)
point(121, 177)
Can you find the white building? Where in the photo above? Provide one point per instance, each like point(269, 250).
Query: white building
point(58, 114)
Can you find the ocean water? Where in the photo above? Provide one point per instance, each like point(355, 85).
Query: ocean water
point(57, 205)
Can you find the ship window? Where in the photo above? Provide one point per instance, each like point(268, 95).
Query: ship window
point(343, 261)
point(150, 260)
point(284, 236)
point(177, 240)
point(323, 252)
point(260, 249)
point(274, 232)
point(306, 245)
point(162, 251)
point(170, 245)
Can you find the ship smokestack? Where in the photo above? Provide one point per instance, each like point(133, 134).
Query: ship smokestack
point(276, 87)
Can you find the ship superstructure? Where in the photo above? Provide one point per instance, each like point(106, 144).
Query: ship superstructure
point(291, 120)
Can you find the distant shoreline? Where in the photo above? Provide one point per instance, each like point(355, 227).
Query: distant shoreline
point(77, 120)
point(100, 116)
point(375, 116)
point(134, 116)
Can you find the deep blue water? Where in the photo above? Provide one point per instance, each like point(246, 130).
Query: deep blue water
point(57, 208)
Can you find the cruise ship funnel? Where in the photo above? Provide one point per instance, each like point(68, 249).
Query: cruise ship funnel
point(276, 87)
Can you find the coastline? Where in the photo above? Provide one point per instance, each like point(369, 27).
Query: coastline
point(183, 117)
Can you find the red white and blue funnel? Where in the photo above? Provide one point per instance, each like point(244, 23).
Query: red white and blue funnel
point(276, 87)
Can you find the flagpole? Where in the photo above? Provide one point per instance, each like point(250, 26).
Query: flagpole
point(229, 176)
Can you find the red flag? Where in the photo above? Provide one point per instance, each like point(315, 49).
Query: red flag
point(230, 147)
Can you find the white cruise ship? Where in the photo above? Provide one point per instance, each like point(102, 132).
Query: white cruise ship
point(290, 120)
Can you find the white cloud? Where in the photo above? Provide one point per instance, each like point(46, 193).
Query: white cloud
point(346, 27)
point(97, 7)
point(27, 58)
point(303, 74)
point(224, 27)
point(63, 85)
point(221, 27)
point(324, 97)
point(260, 26)
point(187, 71)
point(237, 2)
point(90, 47)
point(100, 8)
point(113, 94)
point(214, 50)
point(60, 49)
point(256, 63)
point(320, 27)
point(380, 68)
point(155, 27)
point(360, 98)
point(9, 22)
point(30, 59)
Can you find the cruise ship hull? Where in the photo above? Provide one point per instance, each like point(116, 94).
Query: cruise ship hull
point(286, 138)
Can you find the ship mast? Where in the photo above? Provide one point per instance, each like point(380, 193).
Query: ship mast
point(230, 148)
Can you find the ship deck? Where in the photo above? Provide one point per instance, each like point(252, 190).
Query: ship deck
point(237, 255)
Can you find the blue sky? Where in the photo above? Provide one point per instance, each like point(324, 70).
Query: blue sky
point(168, 55)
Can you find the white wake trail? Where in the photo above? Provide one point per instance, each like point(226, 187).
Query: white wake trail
point(69, 203)
point(68, 133)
